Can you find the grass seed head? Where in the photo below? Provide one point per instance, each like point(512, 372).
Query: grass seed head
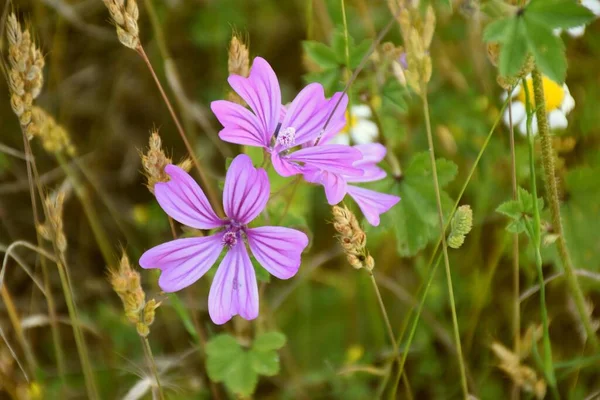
point(155, 160)
point(52, 229)
point(352, 238)
point(461, 225)
point(125, 15)
point(238, 63)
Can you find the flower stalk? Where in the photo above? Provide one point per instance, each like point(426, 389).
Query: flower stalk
point(552, 195)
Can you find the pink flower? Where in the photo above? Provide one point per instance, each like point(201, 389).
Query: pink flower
point(183, 261)
point(371, 203)
point(279, 130)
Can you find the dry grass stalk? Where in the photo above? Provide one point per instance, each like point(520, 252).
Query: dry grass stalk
point(52, 229)
point(54, 137)
point(125, 14)
point(25, 77)
point(238, 63)
point(352, 238)
point(127, 284)
point(155, 160)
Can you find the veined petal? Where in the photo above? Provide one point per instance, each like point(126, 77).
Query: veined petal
point(338, 119)
point(330, 157)
point(261, 91)
point(246, 190)
point(371, 173)
point(182, 261)
point(277, 249)
point(306, 114)
point(334, 184)
point(239, 124)
point(234, 290)
point(371, 152)
point(284, 167)
point(371, 203)
point(184, 201)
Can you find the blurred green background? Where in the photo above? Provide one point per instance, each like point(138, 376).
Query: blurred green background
point(104, 96)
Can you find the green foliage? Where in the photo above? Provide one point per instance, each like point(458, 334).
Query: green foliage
point(414, 219)
point(530, 30)
point(519, 211)
point(331, 59)
point(238, 368)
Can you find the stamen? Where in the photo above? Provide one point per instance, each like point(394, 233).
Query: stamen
point(230, 239)
point(287, 137)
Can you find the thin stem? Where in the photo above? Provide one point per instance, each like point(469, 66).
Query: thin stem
point(289, 200)
point(384, 313)
point(88, 208)
point(552, 194)
point(515, 256)
point(463, 375)
point(152, 365)
point(413, 327)
point(536, 239)
point(212, 196)
point(58, 349)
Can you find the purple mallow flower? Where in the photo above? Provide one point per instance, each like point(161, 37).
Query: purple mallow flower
point(279, 129)
point(371, 203)
point(183, 261)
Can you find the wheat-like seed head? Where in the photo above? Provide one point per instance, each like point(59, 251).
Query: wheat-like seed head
point(25, 76)
point(52, 228)
point(54, 137)
point(238, 63)
point(125, 14)
point(352, 238)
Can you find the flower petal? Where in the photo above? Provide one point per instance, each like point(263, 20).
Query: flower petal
point(277, 249)
point(283, 166)
point(306, 114)
point(261, 91)
point(182, 261)
point(234, 290)
point(557, 120)
point(518, 113)
point(372, 203)
point(334, 184)
point(364, 132)
point(330, 157)
point(338, 118)
point(184, 201)
point(239, 124)
point(372, 153)
point(246, 190)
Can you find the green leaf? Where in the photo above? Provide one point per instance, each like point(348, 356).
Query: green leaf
point(321, 54)
point(265, 363)
point(227, 362)
point(392, 95)
point(496, 31)
point(329, 78)
point(558, 13)
point(519, 211)
point(511, 208)
point(414, 220)
point(357, 53)
point(514, 48)
point(338, 45)
point(547, 49)
point(269, 341)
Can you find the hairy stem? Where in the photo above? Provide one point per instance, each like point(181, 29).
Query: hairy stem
point(152, 365)
point(536, 239)
point(463, 375)
point(208, 187)
point(552, 195)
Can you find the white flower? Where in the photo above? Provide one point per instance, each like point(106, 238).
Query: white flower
point(559, 103)
point(359, 127)
point(578, 31)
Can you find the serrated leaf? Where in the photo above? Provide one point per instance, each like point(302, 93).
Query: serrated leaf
point(414, 219)
point(320, 53)
point(558, 13)
point(519, 211)
point(547, 49)
point(329, 78)
point(392, 95)
point(338, 45)
point(514, 48)
point(265, 363)
point(269, 341)
point(496, 31)
point(357, 53)
point(511, 208)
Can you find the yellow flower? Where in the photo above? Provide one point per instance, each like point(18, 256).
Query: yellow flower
point(559, 103)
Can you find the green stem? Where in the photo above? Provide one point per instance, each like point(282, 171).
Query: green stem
point(413, 327)
point(461, 362)
point(384, 313)
point(88, 208)
point(536, 238)
point(552, 194)
point(152, 365)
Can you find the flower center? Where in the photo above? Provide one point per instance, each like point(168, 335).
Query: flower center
point(230, 238)
point(553, 92)
point(287, 137)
